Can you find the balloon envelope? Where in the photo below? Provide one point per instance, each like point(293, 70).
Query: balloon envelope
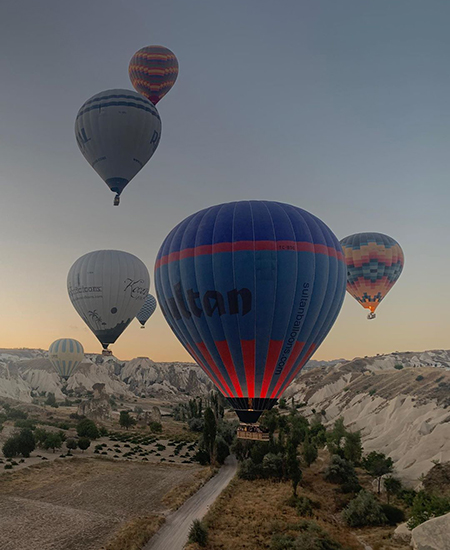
point(66, 354)
point(251, 289)
point(153, 71)
point(146, 310)
point(117, 131)
point(108, 288)
point(374, 264)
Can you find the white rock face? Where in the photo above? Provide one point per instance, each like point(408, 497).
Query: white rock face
point(432, 535)
point(402, 533)
point(12, 385)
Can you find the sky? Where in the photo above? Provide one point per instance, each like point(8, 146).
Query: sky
point(338, 107)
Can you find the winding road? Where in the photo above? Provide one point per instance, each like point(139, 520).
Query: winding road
point(173, 535)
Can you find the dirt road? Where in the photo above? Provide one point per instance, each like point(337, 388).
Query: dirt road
point(174, 533)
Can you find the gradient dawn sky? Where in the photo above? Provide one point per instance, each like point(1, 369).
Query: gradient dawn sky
point(340, 107)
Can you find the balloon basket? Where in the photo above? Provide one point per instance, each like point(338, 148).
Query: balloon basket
point(252, 432)
point(371, 315)
point(116, 200)
point(142, 327)
point(107, 353)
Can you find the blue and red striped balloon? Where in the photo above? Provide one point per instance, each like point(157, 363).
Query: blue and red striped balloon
point(251, 289)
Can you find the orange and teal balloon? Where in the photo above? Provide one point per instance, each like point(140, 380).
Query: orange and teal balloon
point(374, 264)
point(251, 289)
point(153, 71)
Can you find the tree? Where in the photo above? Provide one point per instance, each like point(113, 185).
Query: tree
point(343, 472)
point(25, 442)
point(309, 451)
point(364, 510)
point(52, 441)
point(40, 435)
point(51, 400)
point(317, 433)
point(84, 443)
point(353, 447)
point(222, 449)
point(392, 485)
point(282, 403)
point(378, 465)
point(293, 467)
point(209, 431)
point(10, 447)
point(272, 466)
point(425, 507)
point(87, 428)
point(71, 444)
point(125, 420)
point(334, 438)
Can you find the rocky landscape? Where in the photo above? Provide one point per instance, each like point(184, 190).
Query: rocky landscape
point(400, 401)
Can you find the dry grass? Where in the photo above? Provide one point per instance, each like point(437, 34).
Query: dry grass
point(185, 489)
point(248, 513)
point(134, 534)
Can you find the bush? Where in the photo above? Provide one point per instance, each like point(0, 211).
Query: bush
point(71, 444)
point(87, 428)
point(364, 510)
point(51, 400)
point(304, 506)
point(196, 424)
point(340, 471)
point(155, 427)
point(425, 507)
point(272, 466)
point(52, 441)
point(84, 443)
point(198, 533)
point(398, 366)
point(419, 378)
point(25, 442)
point(25, 423)
point(249, 470)
point(311, 537)
point(222, 449)
point(11, 447)
point(103, 432)
point(393, 514)
point(16, 414)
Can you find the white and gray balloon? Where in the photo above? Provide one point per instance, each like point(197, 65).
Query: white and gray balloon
point(108, 288)
point(117, 131)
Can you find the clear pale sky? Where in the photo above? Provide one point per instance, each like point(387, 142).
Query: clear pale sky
point(340, 107)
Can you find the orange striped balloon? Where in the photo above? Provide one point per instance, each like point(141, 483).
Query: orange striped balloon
point(153, 71)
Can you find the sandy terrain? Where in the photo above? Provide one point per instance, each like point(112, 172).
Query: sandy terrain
point(77, 504)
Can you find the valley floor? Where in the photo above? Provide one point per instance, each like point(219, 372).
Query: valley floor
point(81, 503)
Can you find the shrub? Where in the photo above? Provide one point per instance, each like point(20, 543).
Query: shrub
point(87, 428)
point(419, 378)
point(393, 514)
point(340, 471)
point(196, 424)
point(25, 442)
point(378, 465)
point(155, 427)
point(425, 507)
point(398, 366)
point(8, 466)
point(51, 400)
point(222, 449)
point(71, 444)
point(272, 466)
point(364, 510)
point(125, 420)
point(304, 506)
point(84, 443)
point(103, 432)
point(309, 451)
point(25, 423)
point(249, 470)
point(11, 447)
point(52, 441)
point(198, 533)
point(16, 414)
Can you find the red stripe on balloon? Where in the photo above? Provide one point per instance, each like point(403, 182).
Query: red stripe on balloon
point(202, 363)
point(248, 353)
point(204, 350)
point(271, 361)
point(298, 347)
point(302, 363)
point(225, 355)
point(249, 246)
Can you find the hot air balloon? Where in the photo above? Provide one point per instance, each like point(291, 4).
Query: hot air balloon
point(153, 71)
point(374, 263)
point(146, 310)
point(108, 288)
point(117, 131)
point(65, 354)
point(251, 289)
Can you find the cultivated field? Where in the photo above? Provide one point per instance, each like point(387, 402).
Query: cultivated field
point(82, 503)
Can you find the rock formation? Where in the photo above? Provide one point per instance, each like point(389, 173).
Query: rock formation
point(98, 407)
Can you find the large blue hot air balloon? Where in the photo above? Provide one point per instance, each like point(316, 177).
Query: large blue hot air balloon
point(147, 310)
point(251, 289)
